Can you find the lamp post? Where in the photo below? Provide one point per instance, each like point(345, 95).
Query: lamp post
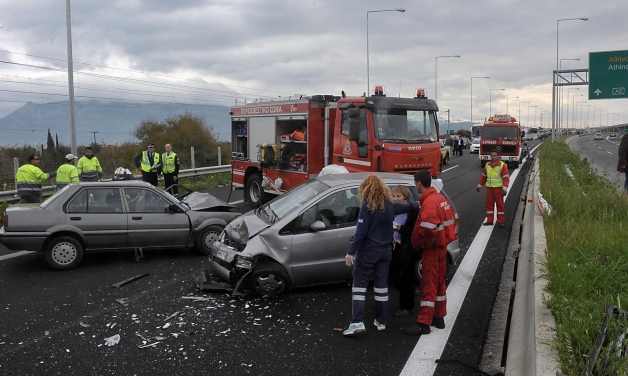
point(562, 104)
point(368, 82)
point(573, 108)
point(581, 104)
point(520, 111)
point(535, 107)
point(507, 103)
point(435, 73)
point(528, 117)
point(554, 115)
point(490, 101)
point(68, 26)
point(471, 118)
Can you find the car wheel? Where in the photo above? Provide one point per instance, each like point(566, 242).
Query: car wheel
point(418, 272)
point(254, 190)
point(64, 253)
point(269, 279)
point(206, 238)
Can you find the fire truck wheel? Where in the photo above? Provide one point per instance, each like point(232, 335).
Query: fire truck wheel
point(254, 191)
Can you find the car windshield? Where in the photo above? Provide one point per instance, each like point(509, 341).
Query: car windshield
point(500, 133)
point(292, 200)
point(52, 198)
point(407, 126)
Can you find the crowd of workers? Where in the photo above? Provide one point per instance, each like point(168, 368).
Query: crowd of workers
point(29, 177)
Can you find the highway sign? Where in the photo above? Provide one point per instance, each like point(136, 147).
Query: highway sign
point(608, 75)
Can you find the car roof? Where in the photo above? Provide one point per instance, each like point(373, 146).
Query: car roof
point(353, 177)
point(116, 183)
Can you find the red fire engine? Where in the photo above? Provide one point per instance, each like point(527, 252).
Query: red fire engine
point(503, 134)
point(278, 145)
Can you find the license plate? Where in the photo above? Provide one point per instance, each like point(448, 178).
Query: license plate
point(222, 255)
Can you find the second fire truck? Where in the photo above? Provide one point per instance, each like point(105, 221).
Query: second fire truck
point(501, 133)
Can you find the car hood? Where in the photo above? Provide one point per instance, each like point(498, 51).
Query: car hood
point(244, 228)
point(204, 201)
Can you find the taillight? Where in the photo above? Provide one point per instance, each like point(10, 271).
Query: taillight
point(5, 221)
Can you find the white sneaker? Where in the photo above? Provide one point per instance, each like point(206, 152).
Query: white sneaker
point(354, 328)
point(379, 326)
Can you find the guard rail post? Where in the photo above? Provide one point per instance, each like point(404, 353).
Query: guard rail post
point(16, 166)
point(192, 157)
point(219, 157)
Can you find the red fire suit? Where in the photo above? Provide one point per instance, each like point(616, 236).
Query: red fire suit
point(496, 177)
point(433, 231)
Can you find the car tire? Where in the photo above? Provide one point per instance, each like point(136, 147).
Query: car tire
point(254, 191)
point(64, 253)
point(205, 239)
point(269, 279)
point(418, 272)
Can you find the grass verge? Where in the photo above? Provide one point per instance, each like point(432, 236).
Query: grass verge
point(587, 256)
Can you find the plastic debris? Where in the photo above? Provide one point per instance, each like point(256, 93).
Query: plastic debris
point(173, 315)
point(84, 325)
point(166, 326)
point(123, 302)
point(196, 298)
point(338, 329)
point(135, 278)
point(544, 206)
point(113, 340)
point(149, 345)
point(139, 335)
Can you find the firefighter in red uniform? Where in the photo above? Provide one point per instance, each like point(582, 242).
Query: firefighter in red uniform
point(433, 231)
point(495, 176)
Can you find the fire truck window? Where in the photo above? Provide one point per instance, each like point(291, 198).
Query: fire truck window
point(363, 150)
point(344, 129)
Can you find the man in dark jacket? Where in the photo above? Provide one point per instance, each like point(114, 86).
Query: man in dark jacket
point(622, 153)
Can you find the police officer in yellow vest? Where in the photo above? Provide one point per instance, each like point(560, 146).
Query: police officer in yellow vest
point(89, 167)
point(29, 178)
point(150, 164)
point(170, 168)
point(67, 173)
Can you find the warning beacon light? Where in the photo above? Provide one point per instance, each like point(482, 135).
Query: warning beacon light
point(379, 91)
point(420, 93)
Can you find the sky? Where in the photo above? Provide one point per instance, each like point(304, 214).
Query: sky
point(215, 51)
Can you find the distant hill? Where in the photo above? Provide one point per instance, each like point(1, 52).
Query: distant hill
point(114, 121)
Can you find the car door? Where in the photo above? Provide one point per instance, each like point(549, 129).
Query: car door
point(151, 223)
point(99, 215)
point(320, 256)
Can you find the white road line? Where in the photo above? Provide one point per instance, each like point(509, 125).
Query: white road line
point(609, 152)
point(16, 254)
point(450, 168)
point(422, 361)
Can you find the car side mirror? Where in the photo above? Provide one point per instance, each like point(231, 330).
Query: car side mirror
point(174, 208)
point(318, 226)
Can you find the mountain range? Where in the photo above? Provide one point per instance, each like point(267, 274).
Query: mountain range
point(108, 122)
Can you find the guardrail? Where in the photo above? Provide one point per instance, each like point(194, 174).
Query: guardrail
point(49, 190)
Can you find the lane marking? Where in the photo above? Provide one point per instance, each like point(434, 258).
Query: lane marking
point(450, 168)
point(429, 348)
point(16, 254)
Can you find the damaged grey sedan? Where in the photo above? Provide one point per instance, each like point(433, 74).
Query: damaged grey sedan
point(300, 238)
point(117, 215)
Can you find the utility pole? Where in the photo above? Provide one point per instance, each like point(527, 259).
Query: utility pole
point(94, 132)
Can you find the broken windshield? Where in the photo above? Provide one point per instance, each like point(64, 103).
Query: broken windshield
point(404, 126)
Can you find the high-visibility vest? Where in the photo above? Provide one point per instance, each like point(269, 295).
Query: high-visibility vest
point(66, 174)
point(494, 175)
point(29, 178)
point(89, 169)
point(146, 167)
point(168, 162)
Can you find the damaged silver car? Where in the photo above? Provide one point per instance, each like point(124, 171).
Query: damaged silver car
point(114, 216)
point(301, 237)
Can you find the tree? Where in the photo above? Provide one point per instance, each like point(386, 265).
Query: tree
point(50, 145)
point(57, 140)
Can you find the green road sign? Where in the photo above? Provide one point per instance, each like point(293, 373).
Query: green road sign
point(608, 75)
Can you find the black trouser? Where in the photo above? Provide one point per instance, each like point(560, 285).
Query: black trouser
point(402, 274)
point(168, 181)
point(30, 199)
point(150, 177)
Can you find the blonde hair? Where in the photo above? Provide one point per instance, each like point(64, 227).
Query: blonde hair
point(374, 192)
point(402, 190)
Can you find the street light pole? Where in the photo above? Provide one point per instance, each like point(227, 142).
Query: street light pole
point(528, 117)
point(490, 101)
point(435, 73)
point(471, 118)
point(561, 105)
point(520, 110)
point(573, 109)
point(68, 20)
point(562, 101)
point(368, 82)
point(507, 103)
point(555, 92)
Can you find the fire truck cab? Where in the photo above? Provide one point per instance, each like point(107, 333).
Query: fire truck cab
point(501, 133)
point(279, 145)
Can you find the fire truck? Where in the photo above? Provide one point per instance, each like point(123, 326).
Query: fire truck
point(503, 134)
point(278, 145)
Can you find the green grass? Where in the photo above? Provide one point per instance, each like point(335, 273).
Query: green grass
point(204, 182)
point(587, 257)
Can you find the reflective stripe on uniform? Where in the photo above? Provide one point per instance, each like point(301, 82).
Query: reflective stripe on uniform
point(381, 290)
point(441, 298)
point(28, 187)
point(428, 304)
point(358, 289)
point(358, 297)
point(449, 223)
point(381, 298)
point(431, 226)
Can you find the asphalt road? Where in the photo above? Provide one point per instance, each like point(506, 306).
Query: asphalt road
point(57, 322)
point(602, 155)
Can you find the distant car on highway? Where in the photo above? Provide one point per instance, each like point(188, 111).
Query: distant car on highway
point(475, 147)
point(613, 135)
point(114, 216)
point(301, 237)
point(598, 136)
